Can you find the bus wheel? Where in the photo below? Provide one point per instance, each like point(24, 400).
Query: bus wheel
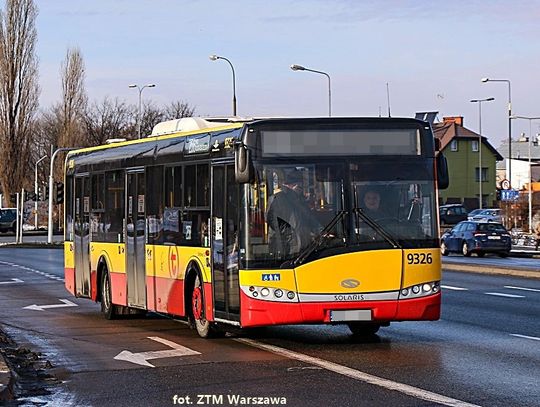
point(202, 325)
point(363, 328)
point(107, 307)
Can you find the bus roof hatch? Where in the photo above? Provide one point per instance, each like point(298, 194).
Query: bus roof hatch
point(182, 125)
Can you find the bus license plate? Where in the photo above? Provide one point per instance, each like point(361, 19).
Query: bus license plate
point(350, 315)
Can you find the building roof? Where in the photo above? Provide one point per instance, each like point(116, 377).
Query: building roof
point(452, 128)
point(520, 149)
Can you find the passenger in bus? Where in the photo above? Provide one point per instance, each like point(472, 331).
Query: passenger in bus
point(293, 224)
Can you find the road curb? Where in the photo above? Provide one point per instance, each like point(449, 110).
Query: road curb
point(6, 380)
point(501, 271)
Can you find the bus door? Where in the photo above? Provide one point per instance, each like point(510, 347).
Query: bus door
point(135, 239)
point(81, 238)
point(225, 228)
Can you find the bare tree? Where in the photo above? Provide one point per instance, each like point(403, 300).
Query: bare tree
point(177, 110)
point(19, 90)
point(74, 98)
point(106, 120)
point(151, 115)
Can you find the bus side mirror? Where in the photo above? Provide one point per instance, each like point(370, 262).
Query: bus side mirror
point(443, 179)
point(243, 169)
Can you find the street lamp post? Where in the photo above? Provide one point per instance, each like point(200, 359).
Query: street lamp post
point(509, 124)
point(479, 101)
point(215, 58)
point(36, 192)
point(530, 119)
point(139, 113)
point(302, 68)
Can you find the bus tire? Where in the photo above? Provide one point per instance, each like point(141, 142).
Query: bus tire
point(364, 328)
point(107, 307)
point(205, 328)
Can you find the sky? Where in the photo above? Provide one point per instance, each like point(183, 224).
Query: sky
point(432, 54)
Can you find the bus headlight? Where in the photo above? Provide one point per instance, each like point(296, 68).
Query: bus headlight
point(269, 293)
point(420, 290)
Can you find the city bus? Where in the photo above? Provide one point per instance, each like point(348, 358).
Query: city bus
point(186, 222)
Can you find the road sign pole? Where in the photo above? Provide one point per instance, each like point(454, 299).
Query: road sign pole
point(51, 185)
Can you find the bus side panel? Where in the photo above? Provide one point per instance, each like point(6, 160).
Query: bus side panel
point(114, 253)
point(150, 269)
point(165, 281)
point(69, 267)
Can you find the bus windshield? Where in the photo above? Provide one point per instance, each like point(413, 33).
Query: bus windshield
point(340, 207)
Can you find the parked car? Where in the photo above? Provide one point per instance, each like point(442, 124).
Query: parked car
point(8, 220)
point(472, 213)
point(487, 215)
point(452, 214)
point(477, 237)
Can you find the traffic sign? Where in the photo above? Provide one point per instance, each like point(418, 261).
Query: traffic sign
point(505, 184)
point(509, 195)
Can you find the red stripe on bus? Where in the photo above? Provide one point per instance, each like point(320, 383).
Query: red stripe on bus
point(118, 288)
point(209, 312)
point(69, 279)
point(168, 297)
point(259, 313)
point(93, 285)
point(420, 309)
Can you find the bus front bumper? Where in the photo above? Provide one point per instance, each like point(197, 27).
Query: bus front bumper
point(255, 312)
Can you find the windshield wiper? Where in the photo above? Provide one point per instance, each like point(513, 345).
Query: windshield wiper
point(318, 240)
point(377, 228)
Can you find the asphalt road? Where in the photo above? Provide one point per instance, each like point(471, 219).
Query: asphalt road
point(484, 351)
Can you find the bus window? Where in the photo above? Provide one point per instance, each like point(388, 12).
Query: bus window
point(97, 225)
point(113, 218)
point(197, 185)
point(69, 209)
point(195, 221)
point(154, 203)
point(173, 202)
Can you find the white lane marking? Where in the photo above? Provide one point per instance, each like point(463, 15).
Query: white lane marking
point(522, 288)
point(358, 375)
point(13, 281)
point(141, 358)
point(506, 295)
point(66, 303)
point(534, 338)
point(450, 287)
point(50, 276)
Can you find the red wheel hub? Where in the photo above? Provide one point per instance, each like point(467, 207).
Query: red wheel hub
point(196, 303)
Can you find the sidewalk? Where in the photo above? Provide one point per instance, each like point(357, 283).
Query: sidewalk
point(6, 391)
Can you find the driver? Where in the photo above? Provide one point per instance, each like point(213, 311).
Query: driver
point(372, 205)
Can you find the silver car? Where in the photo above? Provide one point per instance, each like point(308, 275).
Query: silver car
point(488, 215)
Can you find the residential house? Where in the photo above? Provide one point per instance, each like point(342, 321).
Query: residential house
point(462, 150)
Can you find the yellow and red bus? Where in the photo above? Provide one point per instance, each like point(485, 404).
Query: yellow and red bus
point(181, 222)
